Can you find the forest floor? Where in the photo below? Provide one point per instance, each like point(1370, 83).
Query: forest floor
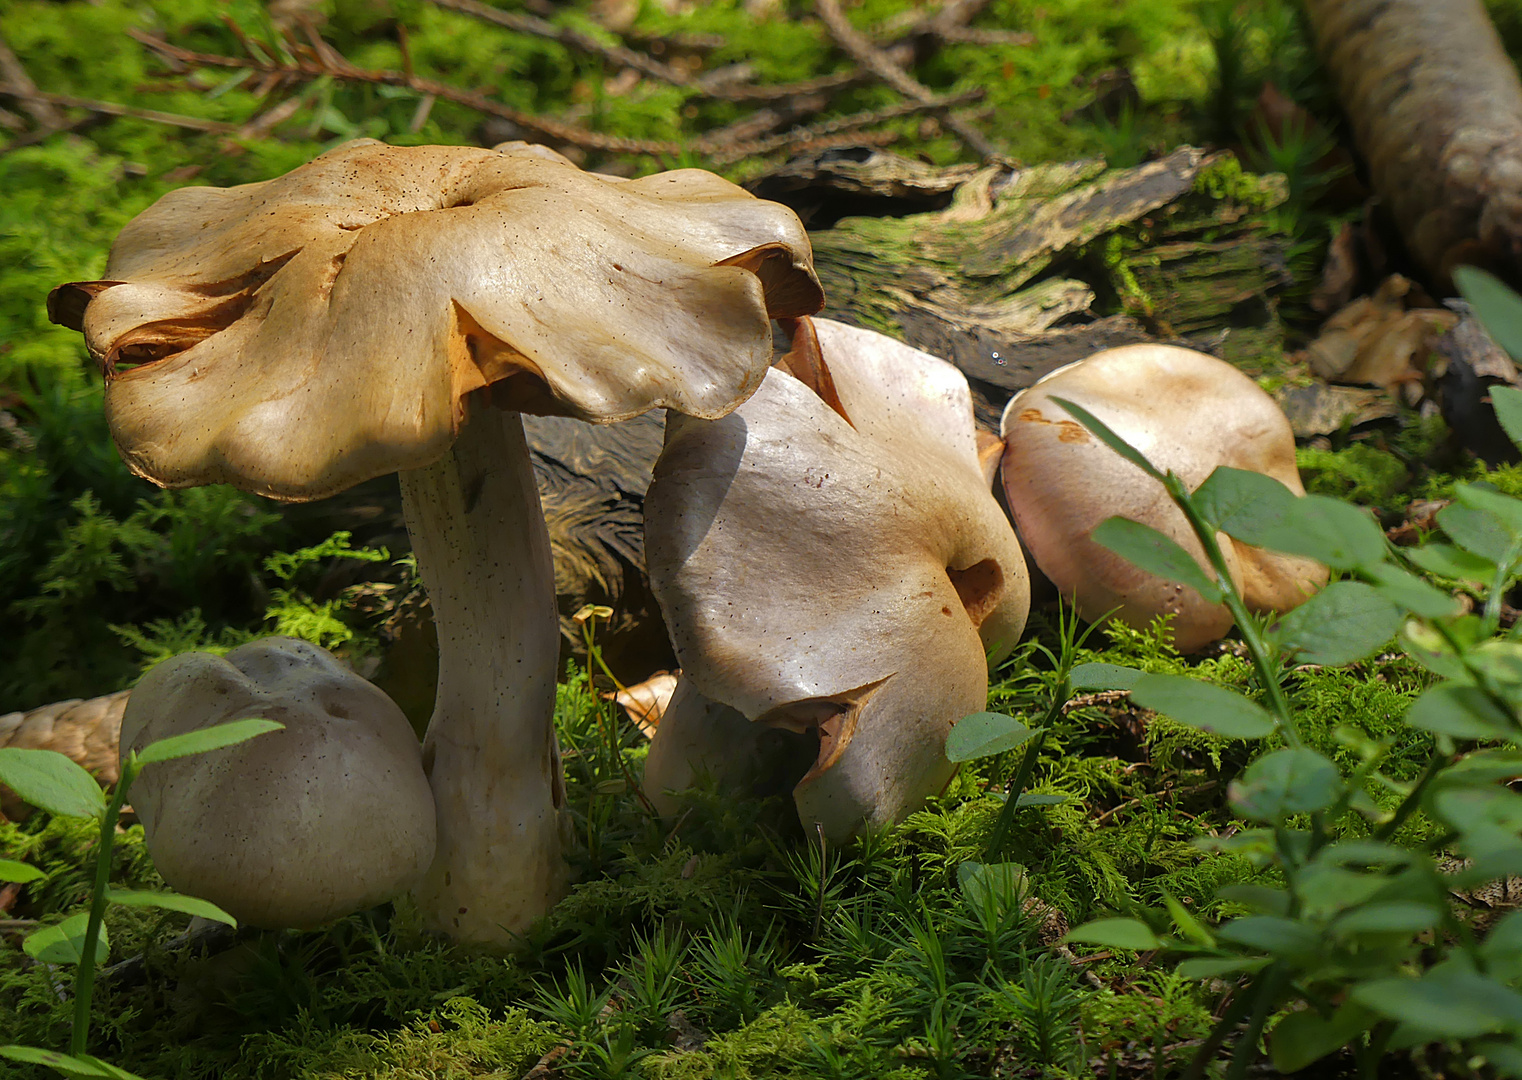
point(730, 944)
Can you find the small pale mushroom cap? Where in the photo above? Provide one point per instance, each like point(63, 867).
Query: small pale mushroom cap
point(298, 335)
point(853, 576)
point(294, 828)
point(1186, 412)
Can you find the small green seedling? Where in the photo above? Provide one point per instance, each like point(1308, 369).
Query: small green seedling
point(52, 782)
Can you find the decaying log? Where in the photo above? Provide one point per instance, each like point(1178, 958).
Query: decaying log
point(1435, 105)
point(592, 482)
point(1003, 279)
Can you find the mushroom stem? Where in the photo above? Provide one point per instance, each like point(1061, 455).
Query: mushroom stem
point(484, 554)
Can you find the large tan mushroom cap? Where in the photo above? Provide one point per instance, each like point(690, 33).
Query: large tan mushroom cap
point(1186, 412)
point(844, 575)
point(296, 336)
point(294, 828)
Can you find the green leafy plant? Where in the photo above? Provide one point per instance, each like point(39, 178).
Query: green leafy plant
point(52, 782)
point(984, 734)
point(1360, 947)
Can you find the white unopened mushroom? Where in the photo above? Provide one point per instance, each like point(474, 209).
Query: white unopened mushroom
point(1186, 412)
point(843, 570)
point(330, 815)
point(384, 308)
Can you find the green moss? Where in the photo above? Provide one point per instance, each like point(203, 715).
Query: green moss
point(461, 1040)
point(778, 1043)
point(1225, 179)
point(1359, 472)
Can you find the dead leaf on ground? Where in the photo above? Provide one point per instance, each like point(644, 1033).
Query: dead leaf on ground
point(645, 702)
point(1382, 340)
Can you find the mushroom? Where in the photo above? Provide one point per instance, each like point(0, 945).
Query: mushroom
point(829, 558)
point(391, 308)
point(1188, 413)
point(299, 827)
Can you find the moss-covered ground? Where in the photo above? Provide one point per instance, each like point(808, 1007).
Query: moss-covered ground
point(727, 944)
point(730, 945)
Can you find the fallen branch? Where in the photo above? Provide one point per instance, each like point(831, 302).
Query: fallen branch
point(1436, 109)
point(872, 58)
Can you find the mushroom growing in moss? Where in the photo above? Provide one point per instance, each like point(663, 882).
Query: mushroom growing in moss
point(386, 308)
point(1186, 412)
point(830, 559)
point(327, 816)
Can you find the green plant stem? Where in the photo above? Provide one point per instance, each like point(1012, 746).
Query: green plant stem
point(1027, 768)
point(1240, 1003)
point(1480, 678)
point(1413, 798)
point(1264, 991)
point(84, 974)
point(1369, 1056)
point(1504, 573)
point(1258, 649)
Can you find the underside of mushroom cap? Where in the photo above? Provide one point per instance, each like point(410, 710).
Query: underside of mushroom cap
point(820, 575)
point(1188, 413)
point(297, 827)
point(296, 336)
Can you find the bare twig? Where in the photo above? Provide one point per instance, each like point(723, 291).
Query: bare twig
point(1175, 792)
point(1099, 697)
point(954, 15)
point(869, 56)
point(112, 108)
point(575, 39)
point(254, 49)
point(270, 118)
point(977, 35)
point(751, 130)
point(302, 70)
point(420, 114)
point(545, 1067)
point(25, 90)
point(625, 57)
point(800, 141)
point(837, 131)
point(726, 146)
point(752, 126)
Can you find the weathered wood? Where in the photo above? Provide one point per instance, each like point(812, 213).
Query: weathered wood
point(1024, 270)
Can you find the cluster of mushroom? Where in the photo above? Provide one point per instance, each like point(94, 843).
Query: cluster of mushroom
point(822, 534)
point(389, 309)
